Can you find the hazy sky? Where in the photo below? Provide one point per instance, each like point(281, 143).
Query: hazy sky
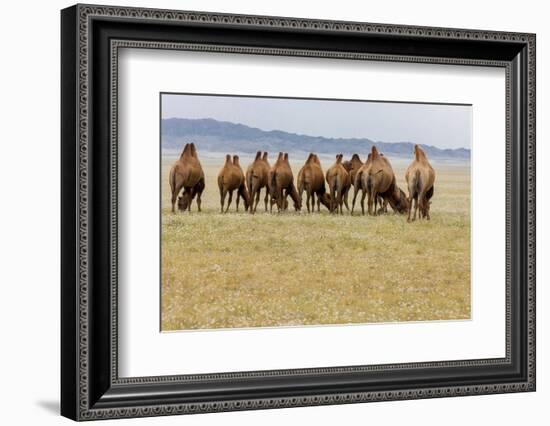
point(443, 126)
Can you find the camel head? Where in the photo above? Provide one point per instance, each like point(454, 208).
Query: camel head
point(355, 158)
point(298, 204)
point(325, 200)
point(399, 201)
point(183, 201)
point(339, 158)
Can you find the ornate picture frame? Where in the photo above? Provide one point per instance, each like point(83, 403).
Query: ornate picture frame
point(91, 37)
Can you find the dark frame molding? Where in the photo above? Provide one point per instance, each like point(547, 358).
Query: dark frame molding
point(91, 37)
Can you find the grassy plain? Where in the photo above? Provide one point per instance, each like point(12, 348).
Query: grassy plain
point(242, 270)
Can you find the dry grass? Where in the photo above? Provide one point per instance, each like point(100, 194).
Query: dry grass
point(239, 270)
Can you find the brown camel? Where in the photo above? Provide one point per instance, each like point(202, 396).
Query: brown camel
point(185, 200)
point(420, 177)
point(257, 177)
point(380, 181)
point(311, 180)
point(231, 178)
point(185, 173)
point(359, 184)
point(281, 184)
point(339, 182)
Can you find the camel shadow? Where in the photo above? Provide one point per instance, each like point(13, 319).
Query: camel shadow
point(50, 406)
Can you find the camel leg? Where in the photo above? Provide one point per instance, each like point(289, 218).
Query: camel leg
point(229, 201)
point(369, 203)
point(307, 201)
point(237, 200)
point(257, 201)
point(415, 207)
point(199, 200)
point(410, 208)
point(190, 199)
point(280, 200)
point(363, 196)
point(318, 203)
point(339, 201)
point(253, 197)
point(223, 193)
point(427, 210)
point(174, 198)
point(266, 198)
point(355, 192)
point(346, 200)
point(332, 199)
point(422, 204)
point(175, 192)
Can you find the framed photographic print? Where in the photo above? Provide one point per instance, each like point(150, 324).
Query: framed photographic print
point(263, 212)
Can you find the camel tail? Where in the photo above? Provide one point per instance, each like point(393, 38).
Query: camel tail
point(250, 179)
point(357, 180)
point(370, 184)
point(417, 181)
point(273, 179)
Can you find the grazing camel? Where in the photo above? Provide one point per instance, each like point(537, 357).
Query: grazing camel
point(185, 200)
point(281, 184)
point(231, 178)
point(185, 173)
point(257, 177)
point(379, 181)
point(311, 180)
point(420, 177)
point(339, 182)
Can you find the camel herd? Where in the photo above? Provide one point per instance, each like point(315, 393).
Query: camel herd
point(374, 179)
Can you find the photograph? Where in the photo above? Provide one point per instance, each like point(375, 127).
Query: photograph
point(281, 211)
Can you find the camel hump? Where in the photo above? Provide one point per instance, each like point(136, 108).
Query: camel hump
point(310, 158)
point(228, 158)
point(419, 153)
point(258, 155)
point(264, 156)
point(279, 157)
point(374, 152)
point(193, 149)
point(286, 156)
point(236, 160)
point(185, 150)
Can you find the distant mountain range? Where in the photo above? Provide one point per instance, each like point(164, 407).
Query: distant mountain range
point(221, 136)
